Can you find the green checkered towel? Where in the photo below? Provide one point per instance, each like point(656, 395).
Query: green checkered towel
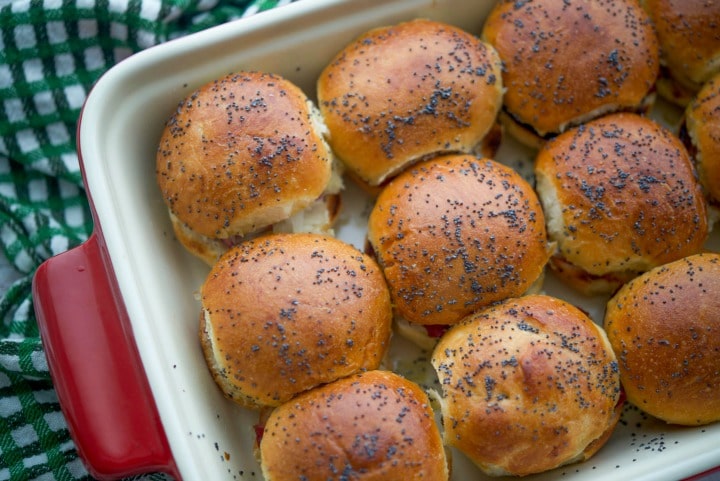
point(51, 52)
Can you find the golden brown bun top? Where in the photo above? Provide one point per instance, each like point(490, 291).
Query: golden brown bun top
point(240, 153)
point(702, 124)
point(371, 426)
point(287, 312)
point(689, 35)
point(457, 233)
point(568, 61)
point(665, 329)
point(400, 93)
point(620, 194)
point(529, 385)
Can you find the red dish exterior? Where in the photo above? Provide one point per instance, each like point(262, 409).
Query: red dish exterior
point(96, 368)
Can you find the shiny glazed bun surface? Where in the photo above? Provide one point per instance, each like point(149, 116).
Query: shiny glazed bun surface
point(529, 384)
point(239, 154)
point(689, 36)
point(702, 127)
point(620, 196)
point(401, 93)
point(283, 313)
point(373, 426)
point(457, 233)
point(665, 329)
point(566, 62)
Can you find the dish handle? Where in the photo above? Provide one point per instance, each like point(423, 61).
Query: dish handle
point(95, 366)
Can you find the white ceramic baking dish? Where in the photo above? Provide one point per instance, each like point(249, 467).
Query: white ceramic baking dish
point(118, 314)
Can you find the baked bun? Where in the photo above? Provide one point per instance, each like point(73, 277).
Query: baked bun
point(528, 385)
point(402, 93)
point(689, 36)
point(701, 133)
point(569, 62)
point(374, 426)
point(665, 329)
point(454, 234)
point(620, 196)
point(240, 154)
point(283, 313)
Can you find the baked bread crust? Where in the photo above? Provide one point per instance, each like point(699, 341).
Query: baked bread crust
point(283, 313)
point(239, 154)
point(620, 196)
point(689, 38)
point(457, 233)
point(702, 127)
point(399, 94)
point(569, 62)
point(529, 384)
point(665, 329)
point(372, 426)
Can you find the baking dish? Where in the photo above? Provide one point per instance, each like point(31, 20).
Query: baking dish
point(118, 316)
